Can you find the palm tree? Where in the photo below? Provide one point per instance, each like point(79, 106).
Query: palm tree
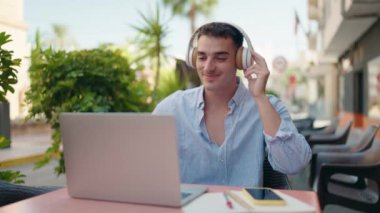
point(152, 33)
point(191, 8)
point(62, 39)
point(60, 35)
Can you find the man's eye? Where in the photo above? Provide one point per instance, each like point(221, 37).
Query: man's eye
point(221, 59)
point(201, 58)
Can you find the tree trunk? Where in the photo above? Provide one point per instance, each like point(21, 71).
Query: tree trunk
point(5, 121)
point(158, 65)
point(192, 12)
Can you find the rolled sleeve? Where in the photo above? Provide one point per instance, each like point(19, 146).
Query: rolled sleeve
point(282, 133)
point(288, 151)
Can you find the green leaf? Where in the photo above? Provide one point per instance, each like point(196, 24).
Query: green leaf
point(42, 162)
point(7, 71)
point(4, 142)
point(12, 176)
point(7, 87)
point(4, 38)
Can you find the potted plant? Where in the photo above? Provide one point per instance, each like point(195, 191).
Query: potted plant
point(8, 78)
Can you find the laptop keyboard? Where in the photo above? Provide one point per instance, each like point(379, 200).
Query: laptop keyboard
point(184, 195)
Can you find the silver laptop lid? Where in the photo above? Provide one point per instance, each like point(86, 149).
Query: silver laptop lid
point(124, 157)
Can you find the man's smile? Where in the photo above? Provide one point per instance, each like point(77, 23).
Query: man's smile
point(211, 77)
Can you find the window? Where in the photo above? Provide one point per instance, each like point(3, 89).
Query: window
point(374, 88)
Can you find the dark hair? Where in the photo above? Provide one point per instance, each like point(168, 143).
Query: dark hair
point(224, 30)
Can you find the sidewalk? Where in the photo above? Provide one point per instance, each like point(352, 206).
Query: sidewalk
point(26, 147)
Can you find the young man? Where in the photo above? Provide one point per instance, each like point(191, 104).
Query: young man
point(224, 129)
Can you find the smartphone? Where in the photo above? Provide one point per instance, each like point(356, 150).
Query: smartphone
point(263, 196)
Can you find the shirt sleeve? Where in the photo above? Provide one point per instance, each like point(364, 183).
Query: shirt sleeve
point(166, 106)
point(288, 151)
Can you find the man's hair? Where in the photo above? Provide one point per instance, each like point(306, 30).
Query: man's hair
point(224, 30)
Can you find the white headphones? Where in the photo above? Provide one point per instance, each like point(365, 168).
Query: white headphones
point(243, 55)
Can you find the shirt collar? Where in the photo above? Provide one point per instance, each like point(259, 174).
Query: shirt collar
point(239, 94)
point(200, 100)
point(235, 100)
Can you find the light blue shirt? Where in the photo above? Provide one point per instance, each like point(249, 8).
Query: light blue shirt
point(239, 160)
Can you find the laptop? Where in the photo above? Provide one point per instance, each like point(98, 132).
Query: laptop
point(124, 157)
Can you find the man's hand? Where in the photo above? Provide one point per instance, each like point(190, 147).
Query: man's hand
point(269, 116)
point(257, 86)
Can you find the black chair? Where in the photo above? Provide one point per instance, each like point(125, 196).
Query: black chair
point(328, 130)
point(274, 179)
point(304, 123)
point(365, 166)
point(364, 144)
point(340, 137)
point(10, 193)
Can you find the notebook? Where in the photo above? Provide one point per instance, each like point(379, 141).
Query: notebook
point(124, 157)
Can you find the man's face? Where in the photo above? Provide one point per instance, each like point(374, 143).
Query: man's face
point(215, 63)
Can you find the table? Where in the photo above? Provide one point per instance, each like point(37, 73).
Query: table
point(59, 201)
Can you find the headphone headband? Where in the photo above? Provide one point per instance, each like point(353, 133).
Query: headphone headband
point(189, 55)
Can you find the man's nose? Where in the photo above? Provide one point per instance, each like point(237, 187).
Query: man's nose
point(209, 65)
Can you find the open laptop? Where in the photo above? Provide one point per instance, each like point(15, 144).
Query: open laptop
point(124, 157)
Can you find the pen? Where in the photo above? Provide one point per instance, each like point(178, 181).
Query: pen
point(238, 200)
point(228, 202)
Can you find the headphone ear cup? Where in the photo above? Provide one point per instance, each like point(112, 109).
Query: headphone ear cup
point(239, 57)
point(243, 58)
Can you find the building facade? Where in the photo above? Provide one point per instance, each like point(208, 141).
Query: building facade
point(347, 50)
point(12, 22)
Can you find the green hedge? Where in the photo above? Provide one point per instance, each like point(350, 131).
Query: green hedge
point(94, 80)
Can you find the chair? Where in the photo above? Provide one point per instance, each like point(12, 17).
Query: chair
point(365, 143)
point(10, 193)
point(304, 123)
point(274, 179)
point(365, 166)
point(340, 137)
point(328, 130)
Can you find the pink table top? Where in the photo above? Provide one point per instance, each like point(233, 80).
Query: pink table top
point(59, 201)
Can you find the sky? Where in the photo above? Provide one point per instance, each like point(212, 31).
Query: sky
point(269, 23)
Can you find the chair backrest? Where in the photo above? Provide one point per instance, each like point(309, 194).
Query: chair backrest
point(274, 179)
point(366, 140)
point(372, 155)
point(10, 193)
point(331, 129)
point(368, 157)
point(304, 123)
point(342, 135)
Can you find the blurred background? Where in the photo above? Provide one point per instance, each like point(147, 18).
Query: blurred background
point(321, 62)
point(125, 55)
